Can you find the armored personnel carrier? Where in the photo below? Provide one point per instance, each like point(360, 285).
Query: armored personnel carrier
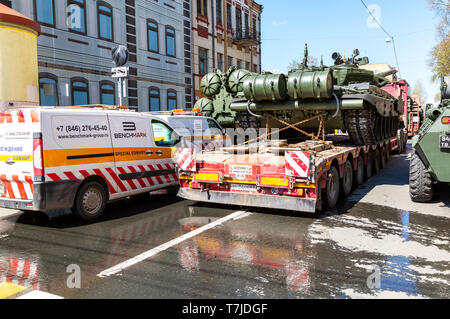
point(430, 161)
point(349, 99)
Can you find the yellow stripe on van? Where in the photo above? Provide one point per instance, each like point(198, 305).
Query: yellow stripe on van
point(67, 157)
point(17, 158)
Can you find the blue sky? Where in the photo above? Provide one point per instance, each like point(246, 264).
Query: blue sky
point(332, 25)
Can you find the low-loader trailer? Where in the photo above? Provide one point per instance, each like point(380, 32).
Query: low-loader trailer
point(306, 177)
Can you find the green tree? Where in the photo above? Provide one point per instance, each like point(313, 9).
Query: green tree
point(440, 55)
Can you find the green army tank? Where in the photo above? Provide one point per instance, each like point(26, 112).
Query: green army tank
point(350, 97)
point(430, 161)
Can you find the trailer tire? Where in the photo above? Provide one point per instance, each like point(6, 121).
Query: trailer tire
point(420, 182)
point(369, 165)
point(376, 162)
point(331, 196)
point(359, 173)
point(383, 161)
point(347, 178)
point(90, 201)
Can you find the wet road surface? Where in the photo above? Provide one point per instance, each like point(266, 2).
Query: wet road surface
point(356, 251)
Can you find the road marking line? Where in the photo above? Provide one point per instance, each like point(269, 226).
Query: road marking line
point(152, 252)
point(36, 294)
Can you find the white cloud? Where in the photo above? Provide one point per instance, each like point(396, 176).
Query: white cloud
point(279, 23)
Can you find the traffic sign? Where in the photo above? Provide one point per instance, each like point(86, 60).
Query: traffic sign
point(120, 72)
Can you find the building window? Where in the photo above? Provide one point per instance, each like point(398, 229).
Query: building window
point(154, 99)
point(239, 64)
point(230, 62)
point(76, 21)
point(219, 11)
point(48, 89)
point(171, 100)
point(80, 91)
point(107, 93)
point(220, 61)
point(45, 12)
point(170, 41)
point(105, 21)
point(238, 20)
point(254, 27)
point(152, 36)
point(247, 66)
point(202, 7)
point(202, 61)
point(229, 22)
point(255, 68)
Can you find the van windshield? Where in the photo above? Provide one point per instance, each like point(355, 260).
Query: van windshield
point(191, 126)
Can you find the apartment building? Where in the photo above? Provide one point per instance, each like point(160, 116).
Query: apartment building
point(225, 33)
point(74, 51)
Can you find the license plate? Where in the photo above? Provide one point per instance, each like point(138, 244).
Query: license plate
point(243, 187)
point(2, 189)
point(444, 141)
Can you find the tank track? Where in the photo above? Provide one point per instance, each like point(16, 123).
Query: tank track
point(246, 121)
point(368, 127)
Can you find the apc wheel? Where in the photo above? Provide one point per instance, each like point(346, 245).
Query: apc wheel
point(359, 173)
point(332, 189)
point(376, 162)
point(420, 182)
point(90, 201)
point(347, 179)
point(369, 165)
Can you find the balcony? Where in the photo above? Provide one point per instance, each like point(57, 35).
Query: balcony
point(246, 37)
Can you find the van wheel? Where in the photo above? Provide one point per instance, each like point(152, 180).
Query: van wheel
point(90, 201)
point(347, 179)
point(331, 195)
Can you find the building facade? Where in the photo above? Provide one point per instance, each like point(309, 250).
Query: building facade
point(74, 51)
point(225, 33)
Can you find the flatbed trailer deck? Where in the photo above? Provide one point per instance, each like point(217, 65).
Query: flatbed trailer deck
point(304, 177)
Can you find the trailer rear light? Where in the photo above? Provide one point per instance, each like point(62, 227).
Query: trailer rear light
point(446, 120)
point(208, 178)
point(38, 158)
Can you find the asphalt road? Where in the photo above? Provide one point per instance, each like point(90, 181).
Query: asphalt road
point(376, 244)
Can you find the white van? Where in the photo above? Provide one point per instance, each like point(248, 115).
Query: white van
point(82, 157)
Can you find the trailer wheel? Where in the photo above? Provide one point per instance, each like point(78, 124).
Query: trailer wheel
point(383, 161)
point(376, 162)
point(420, 182)
point(332, 189)
point(347, 179)
point(359, 173)
point(90, 201)
point(369, 165)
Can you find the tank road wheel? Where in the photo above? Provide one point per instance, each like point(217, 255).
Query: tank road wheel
point(377, 161)
point(347, 178)
point(90, 201)
point(420, 182)
point(361, 126)
point(369, 165)
point(388, 153)
point(359, 173)
point(331, 195)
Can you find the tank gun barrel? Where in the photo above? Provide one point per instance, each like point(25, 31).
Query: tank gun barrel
point(386, 73)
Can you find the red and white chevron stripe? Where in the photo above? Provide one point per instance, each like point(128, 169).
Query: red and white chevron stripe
point(185, 159)
point(17, 186)
point(111, 176)
point(297, 163)
point(19, 116)
point(19, 271)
